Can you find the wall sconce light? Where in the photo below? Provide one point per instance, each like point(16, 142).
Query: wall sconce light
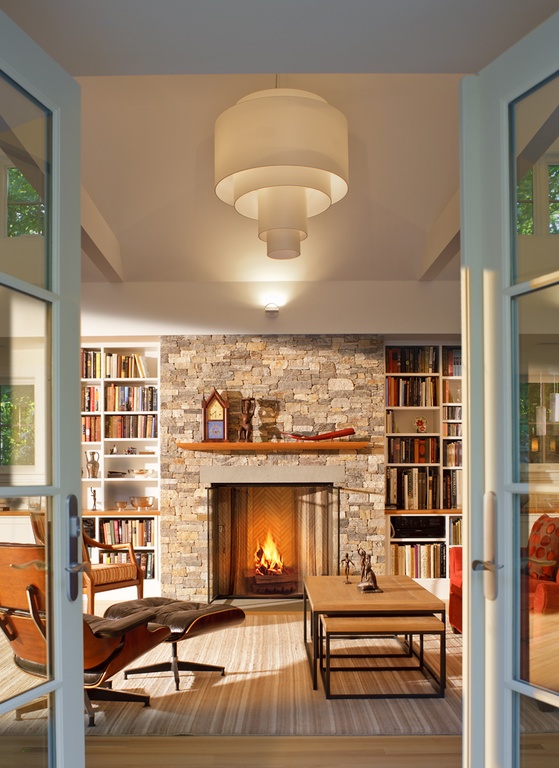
point(271, 309)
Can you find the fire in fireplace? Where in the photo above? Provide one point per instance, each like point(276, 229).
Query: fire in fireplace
point(263, 539)
point(270, 575)
point(267, 559)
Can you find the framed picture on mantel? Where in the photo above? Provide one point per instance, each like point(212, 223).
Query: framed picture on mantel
point(215, 418)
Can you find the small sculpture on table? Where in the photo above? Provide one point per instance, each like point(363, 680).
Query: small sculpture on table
point(93, 499)
point(347, 562)
point(363, 558)
point(369, 583)
point(248, 406)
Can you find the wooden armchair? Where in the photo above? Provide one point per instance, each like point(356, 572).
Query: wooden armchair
point(109, 645)
point(102, 577)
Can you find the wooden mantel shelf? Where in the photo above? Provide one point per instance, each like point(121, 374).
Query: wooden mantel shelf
point(280, 446)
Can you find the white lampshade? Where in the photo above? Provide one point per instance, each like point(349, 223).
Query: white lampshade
point(281, 156)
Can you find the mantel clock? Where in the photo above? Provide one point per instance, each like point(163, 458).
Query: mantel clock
point(215, 417)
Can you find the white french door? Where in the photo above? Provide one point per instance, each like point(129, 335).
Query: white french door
point(39, 384)
point(510, 278)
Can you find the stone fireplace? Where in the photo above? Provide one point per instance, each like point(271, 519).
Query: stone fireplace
point(301, 384)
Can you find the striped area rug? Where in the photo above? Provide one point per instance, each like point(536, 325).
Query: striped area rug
point(267, 690)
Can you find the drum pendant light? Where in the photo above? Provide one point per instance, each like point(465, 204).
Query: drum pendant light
point(281, 156)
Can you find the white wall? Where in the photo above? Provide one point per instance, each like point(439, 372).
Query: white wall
point(153, 309)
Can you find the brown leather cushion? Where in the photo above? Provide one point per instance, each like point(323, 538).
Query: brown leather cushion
point(183, 618)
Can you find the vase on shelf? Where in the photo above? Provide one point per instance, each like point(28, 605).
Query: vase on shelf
point(92, 463)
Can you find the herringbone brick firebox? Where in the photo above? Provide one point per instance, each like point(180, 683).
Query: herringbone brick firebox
point(265, 538)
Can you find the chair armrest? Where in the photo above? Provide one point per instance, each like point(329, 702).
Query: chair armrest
point(89, 542)
point(117, 627)
point(546, 597)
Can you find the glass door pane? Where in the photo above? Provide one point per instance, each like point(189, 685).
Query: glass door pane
point(24, 162)
point(535, 138)
point(537, 464)
point(535, 417)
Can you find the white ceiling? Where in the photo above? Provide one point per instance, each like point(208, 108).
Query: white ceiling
point(156, 75)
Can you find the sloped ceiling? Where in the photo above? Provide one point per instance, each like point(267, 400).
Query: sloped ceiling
point(154, 78)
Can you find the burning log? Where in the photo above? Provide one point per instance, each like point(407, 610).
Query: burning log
point(270, 575)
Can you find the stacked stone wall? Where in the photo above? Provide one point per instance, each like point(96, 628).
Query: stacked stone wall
point(300, 384)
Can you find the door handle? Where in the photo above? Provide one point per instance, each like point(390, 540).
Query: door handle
point(483, 565)
point(488, 564)
point(78, 568)
point(74, 529)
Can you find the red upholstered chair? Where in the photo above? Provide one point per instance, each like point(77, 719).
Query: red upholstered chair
point(455, 597)
point(543, 565)
point(541, 572)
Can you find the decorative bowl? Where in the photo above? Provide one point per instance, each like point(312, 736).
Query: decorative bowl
point(142, 502)
point(139, 472)
point(121, 504)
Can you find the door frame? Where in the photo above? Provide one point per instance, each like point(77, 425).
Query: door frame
point(490, 700)
point(43, 79)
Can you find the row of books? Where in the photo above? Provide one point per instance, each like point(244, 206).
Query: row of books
point(455, 531)
point(412, 359)
point(131, 425)
point(146, 561)
point(120, 530)
point(452, 430)
point(413, 450)
point(413, 488)
point(90, 399)
point(91, 364)
point(452, 361)
point(91, 429)
point(416, 392)
point(130, 398)
point(452, 489)
point(118, 366)
point(453, 412)
point(420, 561)
point(452, 453)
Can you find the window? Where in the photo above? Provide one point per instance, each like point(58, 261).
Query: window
point(17, 425)
point(525, 204)
point(26, 210)
point(537, 198)
point(553, 184)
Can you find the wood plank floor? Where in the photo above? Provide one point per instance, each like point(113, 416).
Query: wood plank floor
point(277, 752)
point(539, 751)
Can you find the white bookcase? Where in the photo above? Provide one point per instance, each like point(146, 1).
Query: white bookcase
point(120, 431)
point(423, 459)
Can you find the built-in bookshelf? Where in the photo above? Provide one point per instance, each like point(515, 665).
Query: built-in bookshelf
point(120, 449)
point(423, 459)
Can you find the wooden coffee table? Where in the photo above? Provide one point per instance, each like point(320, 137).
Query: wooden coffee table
point(331, 596)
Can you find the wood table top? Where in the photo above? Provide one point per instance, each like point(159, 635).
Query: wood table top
point(400, 595)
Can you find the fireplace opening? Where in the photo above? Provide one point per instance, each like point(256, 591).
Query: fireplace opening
point(264, 539)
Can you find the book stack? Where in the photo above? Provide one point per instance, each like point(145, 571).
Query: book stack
point(420, 561)
point(120, 366)
point(90, 364)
